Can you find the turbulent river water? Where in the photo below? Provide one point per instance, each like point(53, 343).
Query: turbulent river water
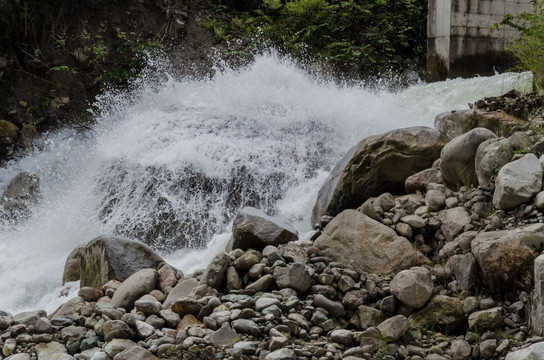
point(172, 162)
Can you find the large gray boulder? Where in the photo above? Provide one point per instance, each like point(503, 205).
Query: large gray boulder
point(413, 287)
point(458, 156)
point(252, 228)
point(517, 182)
point(137, 285)
point(455, 123)
point(21, 193)
point(357, 241)
point(6, 319)
point(376, 165)
point(492, 155)
point(442, 313)
point(105, 258)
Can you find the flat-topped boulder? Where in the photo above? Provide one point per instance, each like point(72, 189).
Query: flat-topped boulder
point(252, 228)
point(364, 244)
point(376, 165)
point(455, 123)
point(105, 258)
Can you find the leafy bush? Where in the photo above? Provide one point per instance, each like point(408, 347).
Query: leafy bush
point(529, 49)
point(512, 270)
point(371, 35)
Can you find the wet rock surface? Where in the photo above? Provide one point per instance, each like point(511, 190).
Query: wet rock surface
point(441, 273)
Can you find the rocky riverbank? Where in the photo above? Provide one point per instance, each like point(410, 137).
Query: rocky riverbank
point(426, 246)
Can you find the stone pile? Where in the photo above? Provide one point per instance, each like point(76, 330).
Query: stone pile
point(433, 263)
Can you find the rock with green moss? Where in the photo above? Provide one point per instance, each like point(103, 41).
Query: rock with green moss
point(442, 313)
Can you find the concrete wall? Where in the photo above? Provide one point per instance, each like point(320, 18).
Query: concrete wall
point(460, 41)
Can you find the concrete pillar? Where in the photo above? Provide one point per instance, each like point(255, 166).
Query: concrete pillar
point(536, 318)
point(461, 41)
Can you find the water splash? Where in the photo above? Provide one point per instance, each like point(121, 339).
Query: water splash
point(172, 162)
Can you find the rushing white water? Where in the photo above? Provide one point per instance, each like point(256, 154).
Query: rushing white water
point(171, 163)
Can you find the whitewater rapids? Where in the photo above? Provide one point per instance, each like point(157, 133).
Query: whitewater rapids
point(172, 162)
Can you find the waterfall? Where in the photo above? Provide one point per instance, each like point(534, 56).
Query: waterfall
point(172, 162)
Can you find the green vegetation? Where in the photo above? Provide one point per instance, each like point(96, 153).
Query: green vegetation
point(71, 50)
point(528, 49)
point(370, 36)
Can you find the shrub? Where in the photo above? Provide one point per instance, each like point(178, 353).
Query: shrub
point(372, 36)
point(529, 49)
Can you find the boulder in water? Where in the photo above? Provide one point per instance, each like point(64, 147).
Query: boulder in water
point(376, 165)
point(254, 229)
point(19, 195)
point(517, 182)
point(105, 258)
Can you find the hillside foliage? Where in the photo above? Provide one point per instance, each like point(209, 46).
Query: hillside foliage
point(529, 49)
point(370, 36)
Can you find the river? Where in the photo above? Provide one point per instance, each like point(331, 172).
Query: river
point(171, 162)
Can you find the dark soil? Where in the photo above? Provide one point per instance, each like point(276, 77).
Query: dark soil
point(55, 61)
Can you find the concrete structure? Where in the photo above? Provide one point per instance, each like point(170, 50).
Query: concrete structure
point(460, 38)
